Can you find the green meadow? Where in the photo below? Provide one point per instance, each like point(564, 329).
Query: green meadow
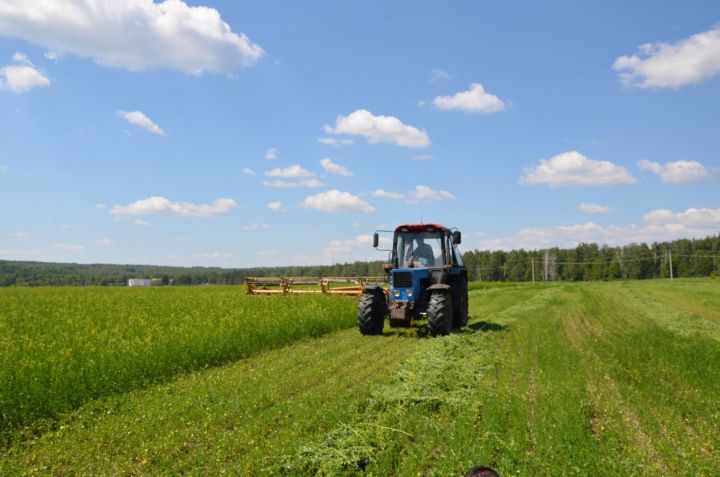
point(63, 347)
point(608, 378)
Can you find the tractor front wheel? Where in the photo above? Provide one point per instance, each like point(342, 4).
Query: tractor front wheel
point(371, 312)
point(440, 313)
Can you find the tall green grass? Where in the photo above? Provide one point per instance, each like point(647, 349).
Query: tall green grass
point(62, 347)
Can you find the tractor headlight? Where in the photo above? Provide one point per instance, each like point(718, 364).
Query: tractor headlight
point(396, 293)
point(409, 293)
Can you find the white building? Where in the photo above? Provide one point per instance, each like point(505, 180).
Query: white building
point(139, 282)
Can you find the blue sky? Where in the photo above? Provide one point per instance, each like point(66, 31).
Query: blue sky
point(277, 133)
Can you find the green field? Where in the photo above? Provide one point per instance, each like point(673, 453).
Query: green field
point(618, 378)
point(62, 347)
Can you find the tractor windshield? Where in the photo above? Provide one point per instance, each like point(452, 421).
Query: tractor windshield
point(420, 249)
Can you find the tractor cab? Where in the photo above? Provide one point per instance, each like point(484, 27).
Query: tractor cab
point(426, 278)
point(425, 246)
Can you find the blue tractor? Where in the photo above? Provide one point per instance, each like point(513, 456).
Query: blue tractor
point(427, 280)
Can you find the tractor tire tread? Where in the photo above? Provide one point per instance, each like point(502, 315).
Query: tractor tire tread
point(440, 314)
point(460, 303)
point(371, 313)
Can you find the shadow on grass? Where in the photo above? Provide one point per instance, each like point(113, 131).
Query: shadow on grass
point(486, 326)
point(421, 330)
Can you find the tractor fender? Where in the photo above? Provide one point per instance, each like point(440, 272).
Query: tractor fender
point(439, 287)
point(374, 288)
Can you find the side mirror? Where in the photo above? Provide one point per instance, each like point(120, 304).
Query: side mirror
point(457, 237)
point(376, 240)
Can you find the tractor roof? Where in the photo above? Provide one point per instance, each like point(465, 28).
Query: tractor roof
point(417, 227)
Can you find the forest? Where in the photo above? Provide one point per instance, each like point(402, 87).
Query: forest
point(585, 262)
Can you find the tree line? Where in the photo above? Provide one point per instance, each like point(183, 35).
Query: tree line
point(587, 261)
point(17, 273)
point(590, 261)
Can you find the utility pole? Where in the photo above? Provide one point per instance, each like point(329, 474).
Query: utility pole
point(532, 261)
point(671, 271)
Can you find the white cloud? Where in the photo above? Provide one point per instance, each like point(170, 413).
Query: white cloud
point(359, 248)
point(276, 206)
point(247, 171)
point(3, 169)
point(574, 169)
point(692, 218)
point(52, 55)
point(21, 58)
point(378, 129)
point(335, 142)
point(271, 154)
point(132, 34)
point(678, 172)
point(345, 248)
point(139, 119)
point(287, 172)
point(594, 208)
point(658, 216)
point(334, 168)
point(162, 205)
point(439, 75)
point(283, 184)
point(255, 227)
point(337, 202)
point(20, 234)
point(106, 241)
point(475, 100)
point(22, 76)
point(660, 225)
point(671, 65)
point(383, 194)
point(423, 193)
point(100, 206)
point(68, 248)
point(266, 253)
point(303, 178)
point(141, 223)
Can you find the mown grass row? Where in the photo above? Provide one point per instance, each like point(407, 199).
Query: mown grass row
point(505, 285)
point(576, 381)
point(62, 347)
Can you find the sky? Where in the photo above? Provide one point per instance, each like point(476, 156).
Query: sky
point(241, 134)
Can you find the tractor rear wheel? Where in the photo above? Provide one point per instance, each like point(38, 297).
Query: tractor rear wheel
point(440, 313)
point(460, 302)
point(371, 312)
